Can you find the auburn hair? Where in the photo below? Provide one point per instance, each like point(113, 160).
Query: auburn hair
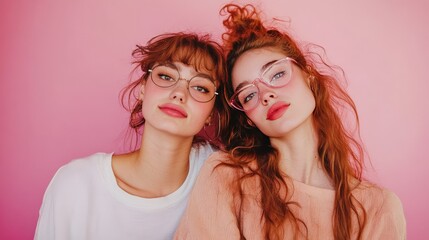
point(340, 153)
point(198, 51)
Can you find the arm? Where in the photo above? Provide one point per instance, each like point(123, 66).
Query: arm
point(211, 207)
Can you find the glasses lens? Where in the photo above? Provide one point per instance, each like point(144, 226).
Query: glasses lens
point(278, 74)
point(246, 98)
point(202, 89)
point(164, 76)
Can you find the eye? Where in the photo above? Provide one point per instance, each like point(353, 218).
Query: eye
point(165, 77)
point(278, 76)
point(247, 94)
point(165, 74)
point(249, 97)
point(202, 85)
point(201, 89)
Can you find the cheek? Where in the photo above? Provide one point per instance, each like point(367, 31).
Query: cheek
point(305, 104)
point(255, 114)
point(302, 92)
point(150, 98)
point(153, 90)
point(308, 99)
point(203, 110)
point(153, 93)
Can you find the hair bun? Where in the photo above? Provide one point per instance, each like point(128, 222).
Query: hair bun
point(241, 23)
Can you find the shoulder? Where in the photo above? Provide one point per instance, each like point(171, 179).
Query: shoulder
point(391, 201)
point(77, 172)
point(377, 197)
point(384, 211)
point(203, 147)
point(200, 152)
point(219, 163)
point(381, 205)
point(212, 204)
point(222, 173)
point(83, 165)
point(217, 171)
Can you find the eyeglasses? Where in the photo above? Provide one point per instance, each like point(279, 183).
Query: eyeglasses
point(277, 75)
point(201, 87)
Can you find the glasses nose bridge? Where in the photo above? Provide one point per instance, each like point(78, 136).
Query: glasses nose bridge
point(176, 84)
point(258, 80)
point(257, 83)
point(184, 79)
point(180, 91)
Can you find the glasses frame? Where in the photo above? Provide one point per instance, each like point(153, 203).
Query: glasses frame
point(260, 79)
point(150, 70)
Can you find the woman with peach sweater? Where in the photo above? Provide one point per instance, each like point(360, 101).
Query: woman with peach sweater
point(290, 169)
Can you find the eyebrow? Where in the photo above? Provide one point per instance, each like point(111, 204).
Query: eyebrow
point(241, 85)
point(204, 75)
point(178, 68)
point(170, 64)
point(263, 68)
point(266, 65)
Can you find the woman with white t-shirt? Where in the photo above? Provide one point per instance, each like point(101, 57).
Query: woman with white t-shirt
point(142, 194)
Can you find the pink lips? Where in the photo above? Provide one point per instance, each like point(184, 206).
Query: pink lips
point(173, 110)
point(277, 110)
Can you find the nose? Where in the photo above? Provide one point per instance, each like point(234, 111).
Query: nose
point(267, 94)
point(180, 91)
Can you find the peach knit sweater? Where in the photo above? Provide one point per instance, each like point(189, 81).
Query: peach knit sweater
point(212, 209)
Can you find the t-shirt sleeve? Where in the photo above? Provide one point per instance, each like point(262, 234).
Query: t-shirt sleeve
point(211, 208)
point(46, 224)
point(389, 221)
point(59, 199)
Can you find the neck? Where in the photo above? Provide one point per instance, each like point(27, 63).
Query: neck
point(299, 157)
point(158, 168)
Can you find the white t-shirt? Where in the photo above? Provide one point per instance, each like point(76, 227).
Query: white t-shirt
point(83, 201)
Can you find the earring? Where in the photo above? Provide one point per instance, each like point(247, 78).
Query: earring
point(208, 120)
point(250, 122)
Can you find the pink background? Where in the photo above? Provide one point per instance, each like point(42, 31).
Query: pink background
point(62, 64)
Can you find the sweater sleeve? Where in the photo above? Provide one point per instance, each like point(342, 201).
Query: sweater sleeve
point(211, 208)
point(389, 221)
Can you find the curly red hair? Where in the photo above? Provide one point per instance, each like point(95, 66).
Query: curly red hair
point(340, 153)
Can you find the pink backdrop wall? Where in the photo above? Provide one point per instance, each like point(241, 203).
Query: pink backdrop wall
point(62, 64)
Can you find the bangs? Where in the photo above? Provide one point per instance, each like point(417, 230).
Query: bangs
point(196, 57)
point(190, 50)
point(193, 50)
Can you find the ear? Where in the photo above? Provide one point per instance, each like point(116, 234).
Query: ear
point(308, 80)
point(142, 88)
point(312, 83)
point(308, 75)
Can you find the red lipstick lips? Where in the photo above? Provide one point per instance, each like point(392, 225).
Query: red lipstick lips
point(277, 110)
point(173, 110)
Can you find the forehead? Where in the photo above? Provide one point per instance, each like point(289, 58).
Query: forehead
point(185, 69)
point(250, 64)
